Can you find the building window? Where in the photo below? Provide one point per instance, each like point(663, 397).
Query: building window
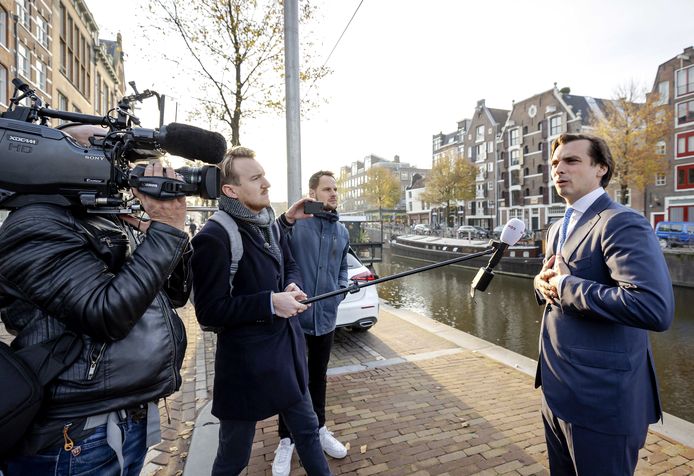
point(515, 158)
point(685, 112)
point(42, 31)
point(23, 65)
point(618, 197)
point(514, 137)
point(23, 12)
point(555, 126)
point(660, 148)
point(685, 177)
point(685, 144)
point(490, 147)
point(3, 85)
point(479, 133)
point(3, 27)
point(490, 166)
point(660, 179)
point(41, 75)
point(75, 54)
point(490, 185)
point(663, 92)
point(62, 105)
point(685, 81)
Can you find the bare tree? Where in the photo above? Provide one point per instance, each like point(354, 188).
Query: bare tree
point(237, 48)
point(382, 189)
point(452, 178)
point(632, 126)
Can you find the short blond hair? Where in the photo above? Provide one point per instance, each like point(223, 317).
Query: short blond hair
point(236, 152)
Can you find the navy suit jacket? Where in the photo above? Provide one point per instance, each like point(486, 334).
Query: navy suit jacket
point(260, 364)
point(596, 365)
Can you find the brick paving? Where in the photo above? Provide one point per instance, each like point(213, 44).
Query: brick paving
point(459, 413)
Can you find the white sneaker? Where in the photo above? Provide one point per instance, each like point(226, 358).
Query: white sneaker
point(330, 444)
point(283, 458)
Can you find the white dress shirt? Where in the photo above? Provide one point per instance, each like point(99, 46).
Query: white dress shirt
point(580, 206)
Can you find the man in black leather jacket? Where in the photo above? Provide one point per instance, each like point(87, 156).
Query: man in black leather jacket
point(63, 269)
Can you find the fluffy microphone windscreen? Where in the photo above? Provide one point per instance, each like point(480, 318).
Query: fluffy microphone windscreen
point(193, 143)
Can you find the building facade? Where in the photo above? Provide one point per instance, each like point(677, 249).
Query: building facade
point(671, 196)
point(353, 177)
point(482, 147)
point(54, 47)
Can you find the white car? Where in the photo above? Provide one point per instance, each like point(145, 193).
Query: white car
point(358, 311)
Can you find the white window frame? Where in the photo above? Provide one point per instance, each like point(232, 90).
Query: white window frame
point(24, 66)
point(42, 31)
point(3, 85)
point(660, 179)
point(660, 148)
point(689, 104)
point(479, 133)
point(23, 13)
point(663, 92)
point(41, 75)
point(558, 117)
point(3, 27)
point(618, 196)
point(514, 153)
point(514, 137)
point(688, 74)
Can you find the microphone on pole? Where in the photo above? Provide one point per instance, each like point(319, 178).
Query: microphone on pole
point(511, 233)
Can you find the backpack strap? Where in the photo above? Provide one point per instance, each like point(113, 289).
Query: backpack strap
point(235, 243)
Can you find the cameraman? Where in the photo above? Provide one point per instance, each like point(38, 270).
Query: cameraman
point(64, 269)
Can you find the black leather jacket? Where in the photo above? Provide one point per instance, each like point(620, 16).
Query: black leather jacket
point(62, 268)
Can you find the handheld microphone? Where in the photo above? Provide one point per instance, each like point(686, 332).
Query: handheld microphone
point(192, 142)
point(512, 232)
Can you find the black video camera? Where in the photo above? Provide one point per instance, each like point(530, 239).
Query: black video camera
point(44, 164)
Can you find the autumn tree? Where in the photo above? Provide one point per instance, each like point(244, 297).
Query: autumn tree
point(632, 128)
point(382, 189)
point(452, 178)
point(237, 47)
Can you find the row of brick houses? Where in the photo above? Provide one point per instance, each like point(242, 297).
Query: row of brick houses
point(511, 149)
point(54, 46)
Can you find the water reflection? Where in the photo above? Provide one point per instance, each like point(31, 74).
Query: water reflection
point(508, 315)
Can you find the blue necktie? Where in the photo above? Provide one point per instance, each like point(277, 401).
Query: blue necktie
point(564, 227)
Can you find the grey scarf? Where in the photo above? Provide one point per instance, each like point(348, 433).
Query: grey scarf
point(260, 223)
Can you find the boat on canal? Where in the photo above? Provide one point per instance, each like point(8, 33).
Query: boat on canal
point(523, 260)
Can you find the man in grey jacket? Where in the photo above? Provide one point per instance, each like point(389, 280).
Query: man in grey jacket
point(319, 245)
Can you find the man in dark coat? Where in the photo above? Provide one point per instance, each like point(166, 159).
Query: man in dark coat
point(260, 365)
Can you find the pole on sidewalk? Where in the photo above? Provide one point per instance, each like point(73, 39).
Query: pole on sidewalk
point(293, 101)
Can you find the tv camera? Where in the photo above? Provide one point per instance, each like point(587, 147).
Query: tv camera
point(40, 163)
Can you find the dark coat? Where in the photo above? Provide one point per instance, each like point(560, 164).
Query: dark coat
point(596, 366)
point(260, 365)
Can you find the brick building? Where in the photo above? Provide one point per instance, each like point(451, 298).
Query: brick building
point(54, 47)
point(671, 196)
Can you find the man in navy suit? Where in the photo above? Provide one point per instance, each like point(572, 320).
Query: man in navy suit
point(260, 364)
point(604, 285)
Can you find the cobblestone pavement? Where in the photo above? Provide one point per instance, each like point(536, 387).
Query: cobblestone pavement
point(443, 410)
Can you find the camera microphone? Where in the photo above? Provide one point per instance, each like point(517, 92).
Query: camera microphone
point(511, 233)
point(192, 142)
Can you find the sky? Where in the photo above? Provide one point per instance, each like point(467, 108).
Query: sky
point(406, 70)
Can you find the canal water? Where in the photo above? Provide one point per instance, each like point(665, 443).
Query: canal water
point(508, 315)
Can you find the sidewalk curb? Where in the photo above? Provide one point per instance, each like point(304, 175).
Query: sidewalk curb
point(203, 446)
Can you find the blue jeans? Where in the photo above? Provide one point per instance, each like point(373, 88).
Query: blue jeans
point(91, 456)
point(236, 440)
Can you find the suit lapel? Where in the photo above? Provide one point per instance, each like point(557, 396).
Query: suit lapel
point(584, 226)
